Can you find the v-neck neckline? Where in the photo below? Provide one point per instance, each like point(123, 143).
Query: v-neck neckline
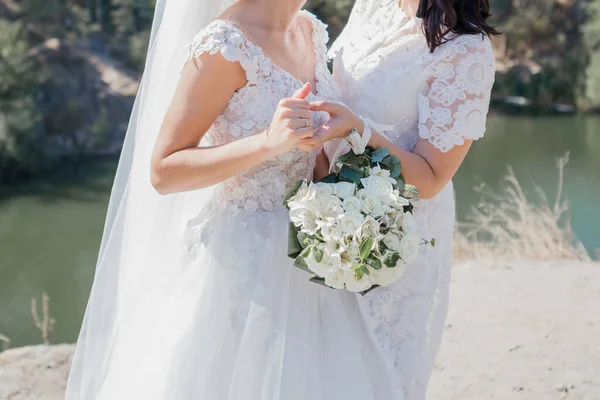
point(316, 81)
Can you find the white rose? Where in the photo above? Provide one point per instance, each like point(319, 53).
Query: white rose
point(409, 224)
point(371, 205)
point(352, 203)
point(370, 227)
point(392, 241)
point(354, 285)
point(344, 189)
point(409, 247)
point(381, 187)
point(351, 222)
point(396, 201)
point(322, 190)
point(330, 207)
point(388, 276)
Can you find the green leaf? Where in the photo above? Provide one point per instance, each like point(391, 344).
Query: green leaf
point(317, 253)
point(400, 184)
point(304, 239)
point(390, 258)
point(379, 154)
point(300, 262)
point(331, 178)
point(395, 171)
point(291, 192)
point(365, 248)
point(364, 270)
point(374, 263)
point(306, 252)
point(319, 281)
point(349, 174)
point(294, 245)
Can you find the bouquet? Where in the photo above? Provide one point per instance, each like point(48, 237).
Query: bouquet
point(355, 229)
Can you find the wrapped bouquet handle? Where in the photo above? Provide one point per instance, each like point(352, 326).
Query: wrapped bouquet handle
point(356, 142)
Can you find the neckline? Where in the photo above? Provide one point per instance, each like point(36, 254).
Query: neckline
point(317, 82)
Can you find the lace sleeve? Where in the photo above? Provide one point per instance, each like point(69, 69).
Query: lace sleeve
point(456, 103)
point(226, 38)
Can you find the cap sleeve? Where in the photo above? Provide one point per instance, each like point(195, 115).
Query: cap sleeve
point(456, 102)
point(225, 38)
point(320, 36)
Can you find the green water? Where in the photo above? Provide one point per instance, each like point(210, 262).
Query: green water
point(50, 231)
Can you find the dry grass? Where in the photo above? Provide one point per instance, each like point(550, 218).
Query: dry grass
point(509, 225)
point(4, 342)
point(45, 323)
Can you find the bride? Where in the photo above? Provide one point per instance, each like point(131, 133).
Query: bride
point(194, 296)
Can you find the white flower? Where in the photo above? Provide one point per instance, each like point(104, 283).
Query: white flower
point(377, 185)
point(409, 224)
point(387, 276)
point(326, 268)
point(353, 253)
point(392, 241)
point(352, 203)
point(354, 285)
point(351, 222)
point(409, 247)
point(370, 204)
point(331, 233)
point(370, 227)
point(322, 190)
point(335, 280)
point(383, 173)
point(397, 201)
point(303, 193)
point(344, 190)
point(330, 207)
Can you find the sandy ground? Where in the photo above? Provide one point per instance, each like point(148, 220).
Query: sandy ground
point(526, 330)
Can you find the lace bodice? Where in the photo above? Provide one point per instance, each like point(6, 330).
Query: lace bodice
point(251, 110)
point(442, 97)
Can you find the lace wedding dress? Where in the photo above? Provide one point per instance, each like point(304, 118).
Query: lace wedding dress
point(243, 323)
point(386, 73)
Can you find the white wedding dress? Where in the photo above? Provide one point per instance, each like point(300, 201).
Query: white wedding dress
point(387, 74)
point(241, 322)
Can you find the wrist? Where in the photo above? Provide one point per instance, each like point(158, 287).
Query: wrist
point(265, 148)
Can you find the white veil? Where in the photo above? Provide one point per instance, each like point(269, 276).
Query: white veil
point(143, 229)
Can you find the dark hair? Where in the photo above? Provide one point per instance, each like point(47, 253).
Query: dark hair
point(463, 17)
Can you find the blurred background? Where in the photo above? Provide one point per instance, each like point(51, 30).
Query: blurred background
point(68, 77)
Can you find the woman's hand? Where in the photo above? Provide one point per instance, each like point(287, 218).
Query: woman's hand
point(341, 121)
point(291, 123)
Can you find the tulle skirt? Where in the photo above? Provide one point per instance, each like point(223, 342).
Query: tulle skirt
point(242, 323)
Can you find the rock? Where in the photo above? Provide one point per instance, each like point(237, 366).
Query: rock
point(35, 372)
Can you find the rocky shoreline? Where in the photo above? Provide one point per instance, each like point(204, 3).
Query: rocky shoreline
point(520, 330)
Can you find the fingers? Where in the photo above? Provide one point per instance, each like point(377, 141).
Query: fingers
point(329, 107)
point(295, 112)
point(304, 133)
point(303, 92)
point(294, 102)
point(297, 123)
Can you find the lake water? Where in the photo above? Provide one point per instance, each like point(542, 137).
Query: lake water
point(50, 232)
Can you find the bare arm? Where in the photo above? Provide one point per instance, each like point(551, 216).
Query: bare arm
point(426, 168)
point(205, 88)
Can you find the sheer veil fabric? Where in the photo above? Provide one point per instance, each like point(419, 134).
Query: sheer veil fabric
point(141, 229)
